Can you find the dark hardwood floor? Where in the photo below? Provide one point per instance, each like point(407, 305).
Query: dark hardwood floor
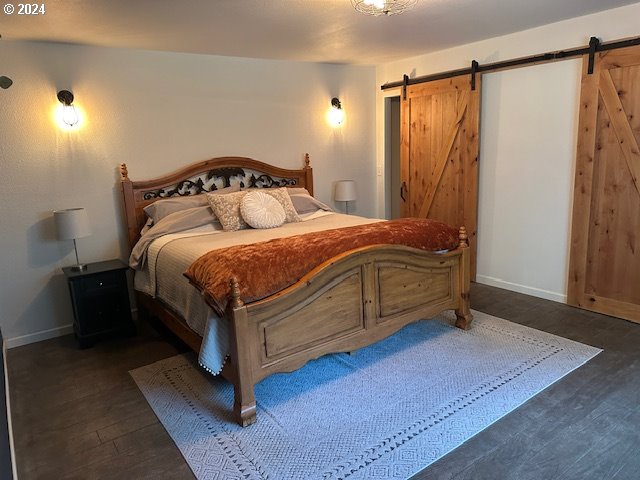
point(78, 413)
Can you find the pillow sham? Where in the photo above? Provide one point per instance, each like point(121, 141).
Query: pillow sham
point(174, 222)
point(261, 210)
point(281, 195)
point(305, 203)
point(166, 206)
point(298, 191)
point(227, 209)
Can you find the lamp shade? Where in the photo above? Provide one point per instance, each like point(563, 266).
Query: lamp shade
point(71, 223)
point(345, 191)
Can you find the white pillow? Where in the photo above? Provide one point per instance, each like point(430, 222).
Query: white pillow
point(261, 210)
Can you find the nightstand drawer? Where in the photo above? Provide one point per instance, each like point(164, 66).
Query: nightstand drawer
point(97, 284)
point(103, 312)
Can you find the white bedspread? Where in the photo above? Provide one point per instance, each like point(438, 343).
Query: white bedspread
point(170, 255)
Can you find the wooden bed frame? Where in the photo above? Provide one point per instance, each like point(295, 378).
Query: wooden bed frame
point(348, 302)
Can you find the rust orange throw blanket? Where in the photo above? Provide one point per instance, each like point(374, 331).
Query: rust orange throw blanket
point(267, 267)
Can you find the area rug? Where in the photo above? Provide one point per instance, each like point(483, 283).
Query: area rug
point(385, 412)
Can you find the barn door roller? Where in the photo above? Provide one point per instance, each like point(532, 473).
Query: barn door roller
point(405, 82)
point(594, 43)
point(474, 70)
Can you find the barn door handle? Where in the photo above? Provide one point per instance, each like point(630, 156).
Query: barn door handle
point(403, 189)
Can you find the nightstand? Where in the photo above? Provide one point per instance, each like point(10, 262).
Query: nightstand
point(100, 300)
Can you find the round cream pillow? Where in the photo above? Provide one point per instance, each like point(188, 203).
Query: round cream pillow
point(261, 210)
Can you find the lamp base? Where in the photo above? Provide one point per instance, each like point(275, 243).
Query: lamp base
point(78, 267)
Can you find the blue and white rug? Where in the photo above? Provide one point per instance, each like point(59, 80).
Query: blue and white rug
point(386, 412)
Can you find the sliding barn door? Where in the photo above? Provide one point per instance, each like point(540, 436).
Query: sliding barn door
point(604, 269)
point(439, 150)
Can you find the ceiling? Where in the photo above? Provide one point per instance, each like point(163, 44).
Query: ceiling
point(304, 30)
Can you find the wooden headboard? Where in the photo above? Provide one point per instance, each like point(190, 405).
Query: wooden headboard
point(204, 177)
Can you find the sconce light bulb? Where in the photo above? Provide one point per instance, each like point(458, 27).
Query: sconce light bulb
point(336, 116)
point(69, 115)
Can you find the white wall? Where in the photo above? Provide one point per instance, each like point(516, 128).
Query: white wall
point(529, 120)
point(156, 112)
point(527, 146)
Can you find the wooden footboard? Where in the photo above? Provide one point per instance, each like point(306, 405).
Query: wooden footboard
point(345, 304)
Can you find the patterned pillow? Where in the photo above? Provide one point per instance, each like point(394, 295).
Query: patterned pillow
point(227, 209)
point(261, 210)
point(283, 197)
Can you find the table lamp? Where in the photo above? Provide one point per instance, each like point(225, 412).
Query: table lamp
point(72, 224)
point(345, 192)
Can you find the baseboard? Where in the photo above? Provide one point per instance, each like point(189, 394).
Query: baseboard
point(39, 336)
point(45, 334)
point(8, 405)
point(515, 287)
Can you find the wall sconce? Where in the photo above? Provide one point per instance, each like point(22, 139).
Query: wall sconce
point(5, 82)
point(336, 113)
point(69, 113)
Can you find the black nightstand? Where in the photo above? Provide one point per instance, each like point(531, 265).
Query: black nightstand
point(100, 299)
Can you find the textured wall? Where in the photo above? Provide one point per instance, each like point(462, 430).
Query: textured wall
point(156, 112)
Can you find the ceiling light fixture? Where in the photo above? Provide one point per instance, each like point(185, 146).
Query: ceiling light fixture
point(383, 7)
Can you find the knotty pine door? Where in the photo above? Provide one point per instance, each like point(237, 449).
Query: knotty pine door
point(439, 149)
point(604, 267)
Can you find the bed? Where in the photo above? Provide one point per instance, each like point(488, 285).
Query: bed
point(348, 302)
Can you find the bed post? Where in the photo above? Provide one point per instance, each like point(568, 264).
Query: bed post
point(244, 404)
point(463, 312)
point(308, 173)
point(129, 205)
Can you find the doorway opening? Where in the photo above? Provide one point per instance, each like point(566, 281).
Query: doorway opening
point(392, 158)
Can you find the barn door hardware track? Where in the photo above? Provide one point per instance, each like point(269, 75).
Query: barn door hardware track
point(591, 50)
